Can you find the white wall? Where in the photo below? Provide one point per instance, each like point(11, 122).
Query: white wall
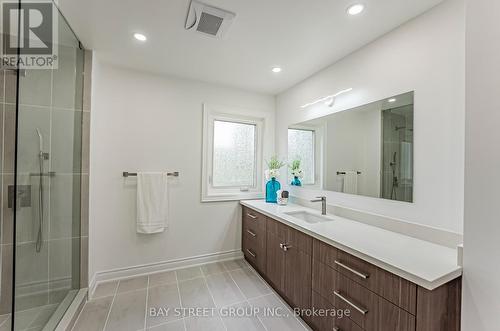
point(153, 123)
point(425, 55)
point(481, 286)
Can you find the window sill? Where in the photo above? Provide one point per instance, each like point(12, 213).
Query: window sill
point(232, 197)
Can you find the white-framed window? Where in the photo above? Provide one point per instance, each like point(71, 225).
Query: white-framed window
point(232, 155)
point(302, 146)
point(306, 143)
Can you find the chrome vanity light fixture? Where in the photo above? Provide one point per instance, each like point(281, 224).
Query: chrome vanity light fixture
point(328, 100)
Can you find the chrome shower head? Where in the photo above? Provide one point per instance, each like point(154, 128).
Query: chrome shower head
point(40, 139)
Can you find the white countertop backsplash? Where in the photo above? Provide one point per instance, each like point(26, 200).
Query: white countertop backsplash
point(425, 263)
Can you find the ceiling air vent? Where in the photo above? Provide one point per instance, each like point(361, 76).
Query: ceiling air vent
point(209, 20)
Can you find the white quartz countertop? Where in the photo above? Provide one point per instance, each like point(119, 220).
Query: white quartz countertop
point(424, 263)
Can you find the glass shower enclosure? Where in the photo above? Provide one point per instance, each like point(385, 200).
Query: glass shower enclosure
point(41, 130)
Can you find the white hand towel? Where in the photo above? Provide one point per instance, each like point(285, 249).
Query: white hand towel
point(406, 161)
point(351, 182)
point(152, 202)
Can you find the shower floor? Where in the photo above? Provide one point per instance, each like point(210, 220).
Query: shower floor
point(36, 318)
point(31, 319)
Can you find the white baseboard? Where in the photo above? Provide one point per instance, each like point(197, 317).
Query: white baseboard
point(146, 269)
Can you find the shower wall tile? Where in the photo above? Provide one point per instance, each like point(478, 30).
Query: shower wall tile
point(35, 87)
point(27, 218)
point(10, 87)
point(66, 141)
point(31, 119)
point(60, 252)
point(7, 213)
point(76, 253)
point(64, 78)
point(6, 283)
point(85, 142)
point(84, 213)
point(31, 266)
point(64, 223)
point(84, 225)
point(1, 134)
point(9, 138)
point(84, 262)
point(87, 80)
point(33, 300)
point(2, 80)
point(79, 69)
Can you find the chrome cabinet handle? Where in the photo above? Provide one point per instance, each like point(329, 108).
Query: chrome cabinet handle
point(251, 253)
point(285, 247)
point(251, 233)
point(363, 311)
point(357, 273)
point(336, 329)
point(252, 216)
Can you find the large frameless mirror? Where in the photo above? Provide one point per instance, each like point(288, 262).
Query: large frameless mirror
point(365, 151)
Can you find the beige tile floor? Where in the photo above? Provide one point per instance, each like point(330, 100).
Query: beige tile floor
point(200, 298)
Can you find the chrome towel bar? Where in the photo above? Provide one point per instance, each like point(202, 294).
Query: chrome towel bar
point(134, 174)
point(343, 173)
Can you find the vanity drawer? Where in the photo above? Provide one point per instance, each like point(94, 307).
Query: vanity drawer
point(254, 250)
point(254, 230)
point(250, 216)
point(330, 322)
point(325, 253)
point(324, 280)
point(389, 286)
point(368, 310)
point(345, 324)
point(395, 289)
point(321, 323)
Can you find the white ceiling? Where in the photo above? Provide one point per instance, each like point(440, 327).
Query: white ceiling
point(301, 36)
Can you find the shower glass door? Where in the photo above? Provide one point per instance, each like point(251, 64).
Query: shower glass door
point(48, 179)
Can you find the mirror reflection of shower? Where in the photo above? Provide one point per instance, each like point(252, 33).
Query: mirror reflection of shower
point(397, 147)
point(41, 158)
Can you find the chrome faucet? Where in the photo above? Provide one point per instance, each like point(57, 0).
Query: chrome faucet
point(323, 204)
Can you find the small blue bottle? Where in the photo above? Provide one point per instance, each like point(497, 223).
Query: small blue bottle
point(296, 181)
point(272, 187)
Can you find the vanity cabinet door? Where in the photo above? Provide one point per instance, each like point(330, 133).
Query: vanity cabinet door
point(275, 266)
point(298, 269)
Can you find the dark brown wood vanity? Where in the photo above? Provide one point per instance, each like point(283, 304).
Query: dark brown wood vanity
point(309, 273)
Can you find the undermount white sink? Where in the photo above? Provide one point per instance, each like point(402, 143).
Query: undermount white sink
point(309, 217)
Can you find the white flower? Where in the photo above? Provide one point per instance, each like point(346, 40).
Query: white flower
point(272, 173)
point(298, 173)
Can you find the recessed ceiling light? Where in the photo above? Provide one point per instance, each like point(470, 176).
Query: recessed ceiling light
point(140, 37)
point(392, 100)
point(356, 9)
point(276, 69)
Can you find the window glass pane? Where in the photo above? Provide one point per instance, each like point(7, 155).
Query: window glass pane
point(234, 154)
point(301, 147)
